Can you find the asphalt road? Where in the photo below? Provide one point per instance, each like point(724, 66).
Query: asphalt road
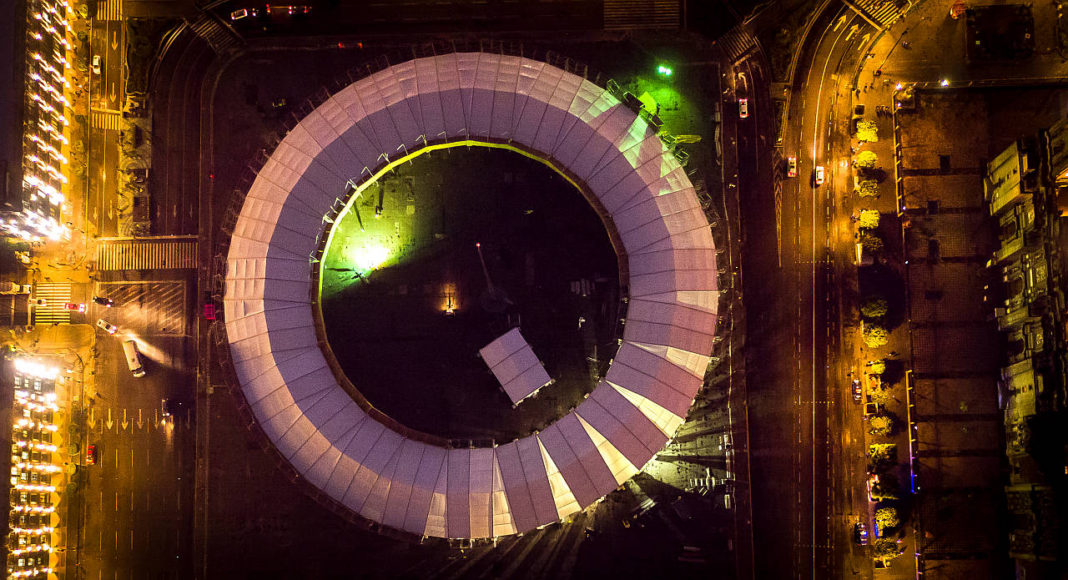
point(175, 98)
point(806, 432)
point(139, 493)
point(829, 428)
point(107, 93)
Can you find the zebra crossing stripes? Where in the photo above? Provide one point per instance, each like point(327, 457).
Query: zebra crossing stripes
point(146, 254)
point(108, 120)
point(109, 10)
point(220, 38)
point(641, 14)
point(52, 311)
point(736, 43)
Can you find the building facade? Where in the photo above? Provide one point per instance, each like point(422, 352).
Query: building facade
point(35, 108)
point(1023, 188)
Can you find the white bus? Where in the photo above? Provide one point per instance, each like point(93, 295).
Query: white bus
point(133, 358)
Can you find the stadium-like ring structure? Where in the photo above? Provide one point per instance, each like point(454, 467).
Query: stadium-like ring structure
point(385, 473)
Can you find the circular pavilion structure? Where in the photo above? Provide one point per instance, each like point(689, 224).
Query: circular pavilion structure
point(412, 481)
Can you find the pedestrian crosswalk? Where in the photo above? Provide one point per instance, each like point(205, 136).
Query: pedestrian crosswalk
point(104, 119)
point(881, 12)
point(109, 10)
point(146, 254)
point(55, 297)
point(220, 38)
point(641, 14)
point(736, 43)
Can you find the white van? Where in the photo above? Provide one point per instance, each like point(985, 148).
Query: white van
point(133, 358)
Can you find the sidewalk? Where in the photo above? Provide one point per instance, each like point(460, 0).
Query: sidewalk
point(926, 49)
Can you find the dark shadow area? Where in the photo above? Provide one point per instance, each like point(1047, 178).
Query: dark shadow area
point(408, 333)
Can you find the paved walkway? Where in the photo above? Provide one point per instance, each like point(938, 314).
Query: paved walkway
point(924, 49)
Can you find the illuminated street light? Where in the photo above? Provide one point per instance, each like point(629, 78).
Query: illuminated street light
point(945, 82)
point(664, 70)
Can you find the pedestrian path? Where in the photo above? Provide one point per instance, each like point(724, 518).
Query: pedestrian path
point(109, 10)
point(52, 311)
point(108, 120)
point(736, 44)
point(641, 15)
point(220, 38)
point(150, 254)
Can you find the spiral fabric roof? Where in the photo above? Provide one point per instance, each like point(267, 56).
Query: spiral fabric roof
point(416, 486)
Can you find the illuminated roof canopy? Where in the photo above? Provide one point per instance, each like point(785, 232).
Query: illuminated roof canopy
point(416, 486)
point(515, 365)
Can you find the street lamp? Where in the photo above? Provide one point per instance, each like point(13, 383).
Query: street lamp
point(664, 70)
point(944, 83)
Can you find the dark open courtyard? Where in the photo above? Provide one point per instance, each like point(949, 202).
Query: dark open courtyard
point(407, 304)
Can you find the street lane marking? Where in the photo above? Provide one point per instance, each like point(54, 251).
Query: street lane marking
point(104, 119)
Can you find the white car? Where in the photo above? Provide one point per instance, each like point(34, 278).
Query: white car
point(743, 108)
point(791, 166)
point(243, 13)
point(106, 326)
point(96, 64)
point(819, 175)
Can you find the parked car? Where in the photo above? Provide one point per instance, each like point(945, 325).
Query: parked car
point(106, 326)
point(243, 13)
point(209, 311)
point(743, 108)
point(74, 306)
point(819, 175)
point(860, 534)
point(791, 166)
point(103, 301)
point(90, 455)
point(96, 64)
point(857, 390)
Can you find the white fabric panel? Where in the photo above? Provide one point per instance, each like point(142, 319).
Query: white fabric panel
point(397, 105)
point(569, 465)
point(679, 378)
point(374, 507)
point(537, 480)
point(505, 97)
point(503, 523)
point(371, 468)
point(480, 493)
point(304, 444)
point(542, 82)
point(603, 145)
point(430, 465)
point(586, 453)
point(675, 315)
point(480, 115)
point(428, 101)
point(628, 415)
point(526, 383)
point(667, 335)
point(501, 347)
point(515, 486)
point(367, 432)
point(374, 124)
point(515, 365)
point(677, 259)
point(613, 430)
point(452, 108)
point(401, 482)
point(457, 503)
point(435, 519)
point(670, 397)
